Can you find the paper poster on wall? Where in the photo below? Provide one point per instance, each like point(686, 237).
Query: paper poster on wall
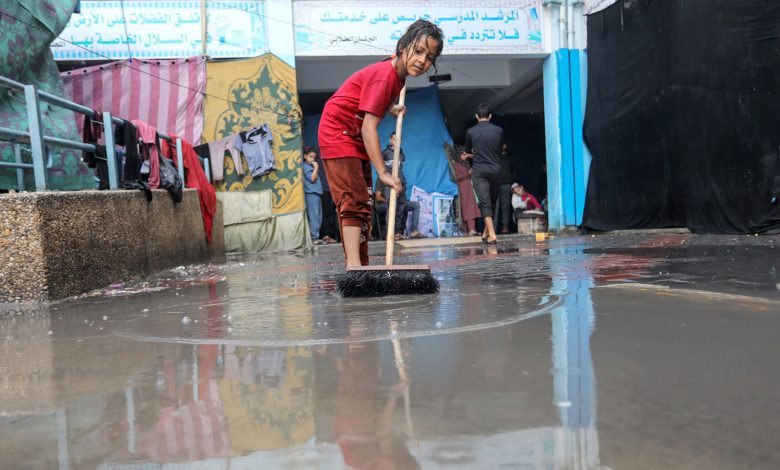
point(436, 213)
point(162, 30)
point(444, 224)
point(356, 28)
point(425, 225)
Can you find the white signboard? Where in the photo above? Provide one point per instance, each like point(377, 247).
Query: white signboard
point(162, 29)
point(325, 28)
point(593, 6)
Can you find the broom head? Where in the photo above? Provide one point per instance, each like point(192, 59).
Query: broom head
point(377, 281)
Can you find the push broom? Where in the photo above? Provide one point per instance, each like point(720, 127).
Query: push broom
point(389, 279)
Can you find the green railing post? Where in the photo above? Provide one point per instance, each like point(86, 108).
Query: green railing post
point(180, 161)
point(108, 128)
point(36, 136)
point(19, 171)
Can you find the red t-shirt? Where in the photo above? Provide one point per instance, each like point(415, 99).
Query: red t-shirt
point(369, 90)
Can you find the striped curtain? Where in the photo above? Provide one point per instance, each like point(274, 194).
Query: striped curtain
point(167, 94)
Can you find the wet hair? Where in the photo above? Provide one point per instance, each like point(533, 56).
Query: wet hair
point(483, 110)
point(416, 31)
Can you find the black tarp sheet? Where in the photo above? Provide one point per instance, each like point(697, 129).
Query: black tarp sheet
point(683, 116)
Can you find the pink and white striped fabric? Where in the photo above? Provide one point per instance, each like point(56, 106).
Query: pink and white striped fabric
point(167, 94)
point(190, 432)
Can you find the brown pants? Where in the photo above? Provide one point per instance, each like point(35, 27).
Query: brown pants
point(351, 186)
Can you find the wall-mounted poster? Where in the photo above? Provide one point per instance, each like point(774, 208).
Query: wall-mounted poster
point(162, 30)
point(325, 28)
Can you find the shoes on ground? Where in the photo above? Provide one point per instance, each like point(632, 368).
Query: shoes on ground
point(416, 234)
point(328, 239)
point(318, 242)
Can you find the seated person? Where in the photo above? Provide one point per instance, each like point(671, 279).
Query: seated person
point(413, 211)
point(382, 204)
point(523, 201)
point(404, 205)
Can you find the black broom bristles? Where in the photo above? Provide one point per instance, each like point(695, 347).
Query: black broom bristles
point(376, 283)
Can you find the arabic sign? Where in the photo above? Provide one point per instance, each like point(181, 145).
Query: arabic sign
point(325, 28)
point(593, 6)
point(162, 29)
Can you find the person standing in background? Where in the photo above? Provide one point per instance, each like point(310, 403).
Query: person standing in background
point(505, 195)
point(486, 148)
point(312, 191)
point(469, 210)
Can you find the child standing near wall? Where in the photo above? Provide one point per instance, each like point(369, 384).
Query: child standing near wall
point(312, 191)
point(348, 136)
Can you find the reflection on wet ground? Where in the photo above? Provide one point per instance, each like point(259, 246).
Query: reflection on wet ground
point(583, 352)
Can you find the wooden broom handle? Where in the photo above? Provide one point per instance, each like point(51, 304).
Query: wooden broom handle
point(399, 122)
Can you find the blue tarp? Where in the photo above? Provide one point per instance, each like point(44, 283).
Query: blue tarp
point(424, 136)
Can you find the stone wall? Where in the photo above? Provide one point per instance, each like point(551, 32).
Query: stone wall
point(58, 244)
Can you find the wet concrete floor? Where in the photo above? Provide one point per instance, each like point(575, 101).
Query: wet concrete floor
point(622, 352)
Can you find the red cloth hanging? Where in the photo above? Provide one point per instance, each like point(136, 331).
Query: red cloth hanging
point(195, 177)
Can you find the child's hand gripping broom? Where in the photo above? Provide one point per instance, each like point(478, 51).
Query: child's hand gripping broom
point(372, 281)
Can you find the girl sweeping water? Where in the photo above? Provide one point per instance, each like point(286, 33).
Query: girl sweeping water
point(348, 138)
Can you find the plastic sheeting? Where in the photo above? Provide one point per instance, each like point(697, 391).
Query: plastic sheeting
point(250, 225)
point(683, 116)
point(423, 139)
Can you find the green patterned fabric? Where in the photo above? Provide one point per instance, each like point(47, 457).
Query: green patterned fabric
point(27, 28)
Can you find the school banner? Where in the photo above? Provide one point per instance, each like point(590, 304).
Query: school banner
point(244, 94)
point(327, 28)
point(162, 29)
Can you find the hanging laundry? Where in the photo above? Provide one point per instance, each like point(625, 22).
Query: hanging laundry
point(215, 151)
point(127, 136)
point(147, 136)
point(204, 153)
point(218, 148)
point(255, 144)
point(195, 177)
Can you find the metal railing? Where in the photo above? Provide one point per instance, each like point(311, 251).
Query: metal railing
point(39, 142)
